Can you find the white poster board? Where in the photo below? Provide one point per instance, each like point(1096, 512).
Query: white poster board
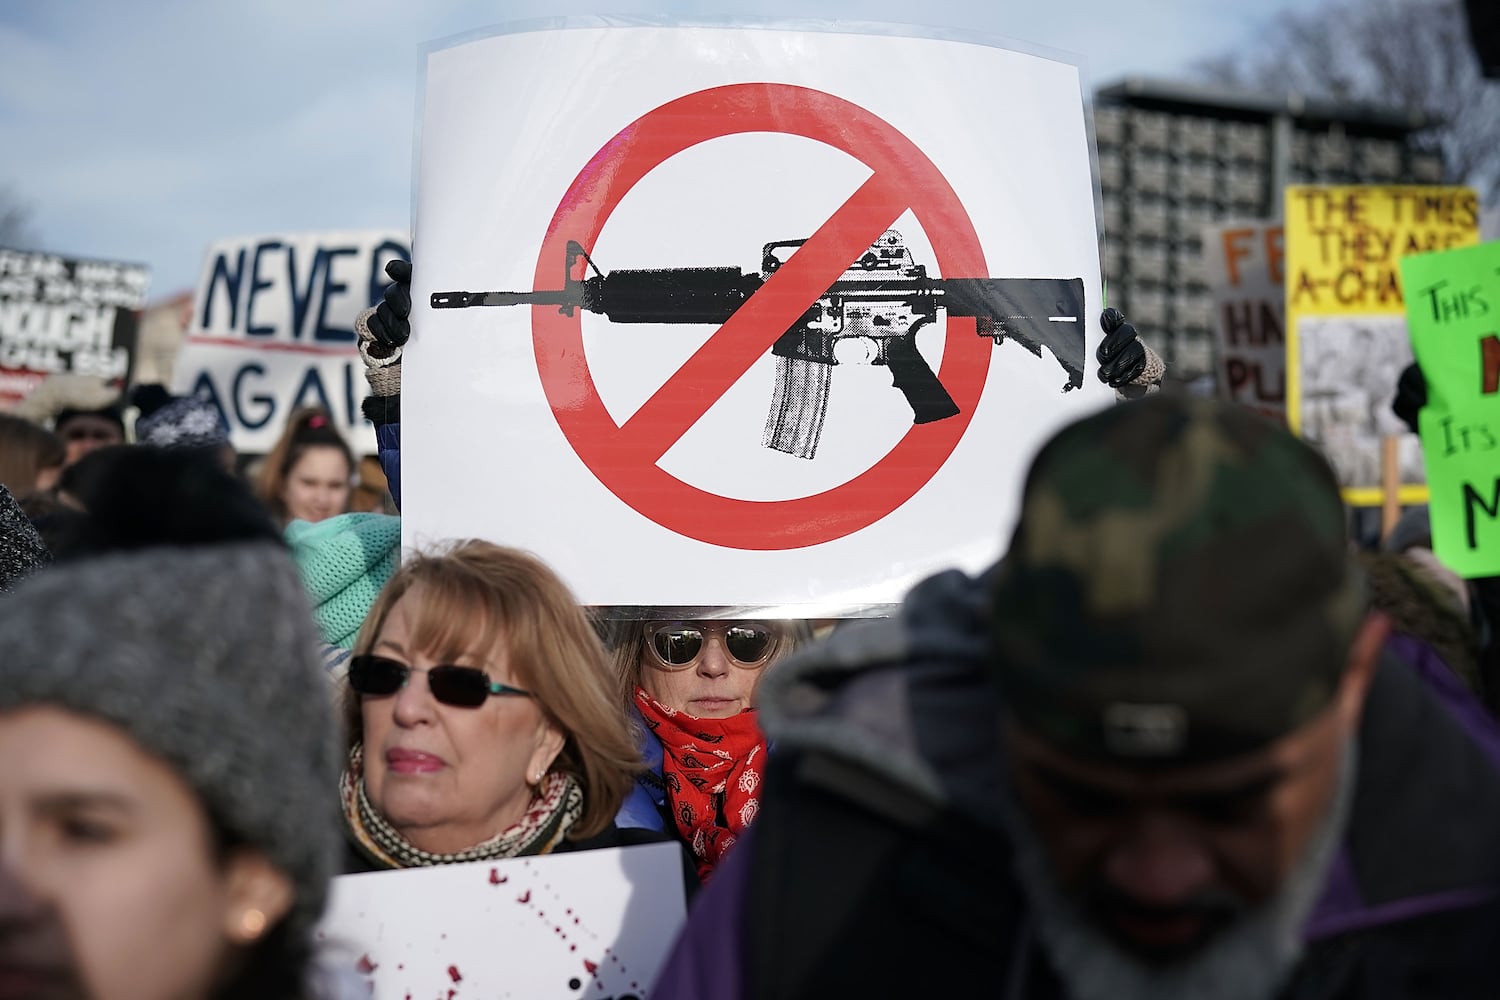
point(1246, 275)
point(272, 329)
point(631, 455)
point(589, 924)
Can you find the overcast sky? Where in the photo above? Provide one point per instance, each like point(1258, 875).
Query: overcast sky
point(142, 131)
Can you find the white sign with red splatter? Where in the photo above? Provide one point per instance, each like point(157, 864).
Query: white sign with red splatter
point(590, 925)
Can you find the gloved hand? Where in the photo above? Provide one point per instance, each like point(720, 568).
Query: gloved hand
point(382, 332)
point(390, 327)
point(1121, 355)
point(1411, 395)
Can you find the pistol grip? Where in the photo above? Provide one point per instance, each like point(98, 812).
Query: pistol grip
point(928, 399)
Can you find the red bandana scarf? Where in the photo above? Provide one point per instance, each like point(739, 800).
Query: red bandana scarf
point(711, 769)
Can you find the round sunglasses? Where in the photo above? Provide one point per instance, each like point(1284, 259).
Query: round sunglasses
point(678, 645)
point(464, 687)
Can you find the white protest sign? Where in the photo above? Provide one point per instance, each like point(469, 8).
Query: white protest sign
point(273, 329)
point(589, 924)
point(715, 222)
point(65, 315)
point(1246, 275)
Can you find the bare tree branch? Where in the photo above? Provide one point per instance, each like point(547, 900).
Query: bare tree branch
point(1409, 54)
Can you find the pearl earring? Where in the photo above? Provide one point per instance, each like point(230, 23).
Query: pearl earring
point(252, 924)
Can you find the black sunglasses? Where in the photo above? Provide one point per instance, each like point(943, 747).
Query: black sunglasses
point(677, 645)
point(465, 687)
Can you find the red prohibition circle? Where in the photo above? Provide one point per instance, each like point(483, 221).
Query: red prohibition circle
point(624, 457)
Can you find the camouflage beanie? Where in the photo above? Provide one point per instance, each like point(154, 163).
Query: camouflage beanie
point(1179, 587)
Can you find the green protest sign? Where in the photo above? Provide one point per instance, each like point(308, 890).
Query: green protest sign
point(1453, 312)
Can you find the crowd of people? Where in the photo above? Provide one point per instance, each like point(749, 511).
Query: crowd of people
point(1181, 740)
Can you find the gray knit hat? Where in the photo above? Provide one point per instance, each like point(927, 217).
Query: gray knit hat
point(206, 658)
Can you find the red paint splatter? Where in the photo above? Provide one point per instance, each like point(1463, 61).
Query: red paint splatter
point(572, 947)
point(452, 994)
point(453, 974)
point(496, 878)
point(524, 897)
point(365, 966)
point(575, 920)
point(590, 966)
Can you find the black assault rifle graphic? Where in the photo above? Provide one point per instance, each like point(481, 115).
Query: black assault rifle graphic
point(876, 307)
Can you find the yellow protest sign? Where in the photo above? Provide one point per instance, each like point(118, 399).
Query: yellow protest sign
point(1346, 324)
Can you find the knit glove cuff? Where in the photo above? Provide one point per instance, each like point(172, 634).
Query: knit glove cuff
point(1149, 380)
point(382, 363)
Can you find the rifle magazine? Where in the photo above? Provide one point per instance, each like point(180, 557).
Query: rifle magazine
point(799, 403)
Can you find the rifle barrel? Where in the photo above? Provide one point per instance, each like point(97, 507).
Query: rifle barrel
point(462, 300)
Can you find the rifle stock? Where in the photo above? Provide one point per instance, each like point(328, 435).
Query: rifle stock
point(1034, 312)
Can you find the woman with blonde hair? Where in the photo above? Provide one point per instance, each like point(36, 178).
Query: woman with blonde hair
point(688, 685)
point(482, 718)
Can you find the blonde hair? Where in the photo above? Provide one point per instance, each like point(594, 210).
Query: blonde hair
point(476, 595)
point(309, 427)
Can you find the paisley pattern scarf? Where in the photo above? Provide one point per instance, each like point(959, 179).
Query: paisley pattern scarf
point(712, 772)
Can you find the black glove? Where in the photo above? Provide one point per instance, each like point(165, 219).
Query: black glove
point(1411, 395)
point(149, 397)
point(391, 326)
point(1121, 355)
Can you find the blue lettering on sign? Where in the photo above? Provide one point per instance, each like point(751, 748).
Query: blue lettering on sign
point(311, 382)
point(384, 253)
point(268, 402)
point(331, 287)
point(231, 281)
point(204, 389)
point(300, 302)
point(256, 285)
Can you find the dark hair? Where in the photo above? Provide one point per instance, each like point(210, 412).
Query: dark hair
point(277, 965)
point(307, 428)
point(135, 497)
point(114, 413)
